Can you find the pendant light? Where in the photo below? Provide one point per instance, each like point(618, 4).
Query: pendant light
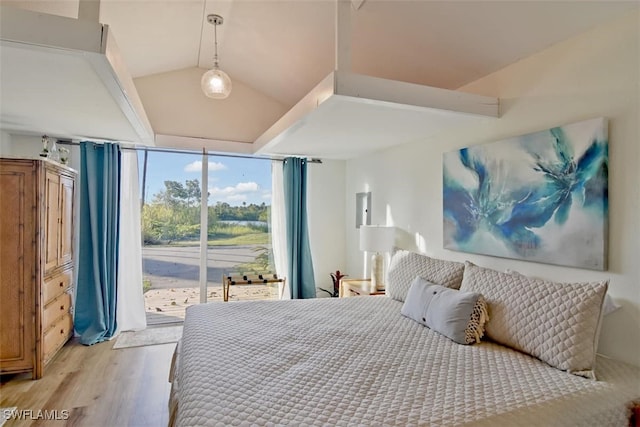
point(215, 83)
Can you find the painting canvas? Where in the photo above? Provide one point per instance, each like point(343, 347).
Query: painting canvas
point(539, 197)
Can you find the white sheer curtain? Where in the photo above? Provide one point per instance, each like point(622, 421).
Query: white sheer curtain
point(130, 312)
point(278, 227)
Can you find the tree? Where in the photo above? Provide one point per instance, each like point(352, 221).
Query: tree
point(174, 214)
point(224, 211)
point(265, 214)
point(182, 201)
point(174, 194)
point(193, 192)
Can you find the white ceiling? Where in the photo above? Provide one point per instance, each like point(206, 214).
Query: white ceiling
point(283, 48)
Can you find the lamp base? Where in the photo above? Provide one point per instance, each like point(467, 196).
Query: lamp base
point(377, 272)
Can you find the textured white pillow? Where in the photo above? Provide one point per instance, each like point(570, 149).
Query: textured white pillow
point(459, 316)
point(406, 266)
point(559, 323)
point(609, 304)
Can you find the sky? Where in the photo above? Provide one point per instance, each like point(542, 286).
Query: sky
point(232, 180)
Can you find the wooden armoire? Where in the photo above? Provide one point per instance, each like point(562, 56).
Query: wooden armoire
point(36, 262)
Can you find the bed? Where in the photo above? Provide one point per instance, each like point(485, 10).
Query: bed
point(359, 361)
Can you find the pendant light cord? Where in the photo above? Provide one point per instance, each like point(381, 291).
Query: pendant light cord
point(204, 6)
point(215, 38)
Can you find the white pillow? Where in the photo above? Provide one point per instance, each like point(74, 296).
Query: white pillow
point(609, 304)
point(559, 323)
point(406, 266)
point(460, 316)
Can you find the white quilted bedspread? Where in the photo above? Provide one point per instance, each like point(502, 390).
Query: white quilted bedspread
point(357, 361)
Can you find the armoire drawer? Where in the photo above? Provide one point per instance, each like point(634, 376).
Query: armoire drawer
point(56, 336)
point(56, 309)
point(56, 285)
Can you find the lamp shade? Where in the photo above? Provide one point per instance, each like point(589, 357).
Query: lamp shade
point(376, 238)
point(216, 84)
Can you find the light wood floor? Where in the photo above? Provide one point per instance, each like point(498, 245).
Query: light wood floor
point(98, 386)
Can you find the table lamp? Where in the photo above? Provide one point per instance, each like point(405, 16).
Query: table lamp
point(377, 239)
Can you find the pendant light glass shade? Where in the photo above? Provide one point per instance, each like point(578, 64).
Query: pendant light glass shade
point(216, 84)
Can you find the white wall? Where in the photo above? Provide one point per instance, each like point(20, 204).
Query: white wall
point(30, 146)
point(595, 74)
point(326, 207)
point(5, 143)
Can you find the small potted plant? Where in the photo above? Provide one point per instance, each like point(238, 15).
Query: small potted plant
point(335, 277)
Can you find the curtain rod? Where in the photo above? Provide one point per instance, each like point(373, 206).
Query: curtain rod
point(177, 151)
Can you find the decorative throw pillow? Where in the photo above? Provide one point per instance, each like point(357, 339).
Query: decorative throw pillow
point(406, 266)
point(457, 315)
point(559, 323)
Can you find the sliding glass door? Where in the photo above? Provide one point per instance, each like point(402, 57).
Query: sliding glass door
point(237, 236)
point(170, 190)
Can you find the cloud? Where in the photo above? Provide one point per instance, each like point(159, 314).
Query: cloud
point(266, 195)
point(197, 166)
point(232, 192)
point(247, 187)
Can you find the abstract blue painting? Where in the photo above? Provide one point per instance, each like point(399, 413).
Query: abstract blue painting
point(539, 197)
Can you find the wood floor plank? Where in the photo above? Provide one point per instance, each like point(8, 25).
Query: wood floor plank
point(97, 385)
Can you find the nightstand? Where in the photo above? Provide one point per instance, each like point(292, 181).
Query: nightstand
point(357, 288)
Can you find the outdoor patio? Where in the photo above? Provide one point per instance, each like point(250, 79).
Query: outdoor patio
point(172, 272)
point(169, 305)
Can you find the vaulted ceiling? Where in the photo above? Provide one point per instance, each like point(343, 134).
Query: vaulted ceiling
point(283, 48)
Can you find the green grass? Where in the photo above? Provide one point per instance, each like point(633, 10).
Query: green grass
point(146, 285)
point(256, 238)
point(244, 239)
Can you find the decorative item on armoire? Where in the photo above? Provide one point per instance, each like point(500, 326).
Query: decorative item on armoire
point(64, 155)
point(54, 153)
point(45, 146)
point(51, 151)
point(539, 197)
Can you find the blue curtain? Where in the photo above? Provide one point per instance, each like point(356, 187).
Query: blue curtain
point(300, 275)
point(95, 317)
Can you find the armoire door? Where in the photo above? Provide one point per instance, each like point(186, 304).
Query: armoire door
point(17, 265)
point(52, 219)
point(65, 251)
